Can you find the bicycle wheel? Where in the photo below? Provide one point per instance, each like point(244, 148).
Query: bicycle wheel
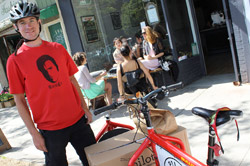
point(113, 133)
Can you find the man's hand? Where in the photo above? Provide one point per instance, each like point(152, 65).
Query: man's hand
point(89, 117)
point(39, 142)
point(23, 111)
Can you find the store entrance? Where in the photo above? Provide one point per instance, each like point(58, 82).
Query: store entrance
point(214, 36)
point(7, 46)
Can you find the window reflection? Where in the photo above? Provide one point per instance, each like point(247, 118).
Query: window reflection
point(113, 18)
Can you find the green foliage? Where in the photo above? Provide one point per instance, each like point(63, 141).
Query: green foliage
point(6, 97)
point(107, 6)
point(132, 13)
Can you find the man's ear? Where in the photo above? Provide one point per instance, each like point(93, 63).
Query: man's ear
point(15, 27)
point(39, 21)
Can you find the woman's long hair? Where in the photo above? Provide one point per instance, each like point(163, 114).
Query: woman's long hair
point(151, 35)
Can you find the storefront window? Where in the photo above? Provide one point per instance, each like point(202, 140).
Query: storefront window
point(182, 28)
point(100, 21)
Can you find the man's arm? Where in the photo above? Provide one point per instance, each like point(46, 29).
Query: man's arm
point(23, 111)
point(83, 103)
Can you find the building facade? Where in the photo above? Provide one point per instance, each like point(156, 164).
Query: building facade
point(205, 36)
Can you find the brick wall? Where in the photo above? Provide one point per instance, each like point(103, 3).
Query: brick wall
point(241, 38)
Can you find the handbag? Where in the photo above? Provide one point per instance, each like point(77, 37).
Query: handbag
point(162, 60)
point(164, 64)
point(133, 77)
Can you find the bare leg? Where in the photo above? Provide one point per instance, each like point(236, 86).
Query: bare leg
point(108, 89)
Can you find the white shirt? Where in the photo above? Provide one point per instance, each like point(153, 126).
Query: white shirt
point(84, 78)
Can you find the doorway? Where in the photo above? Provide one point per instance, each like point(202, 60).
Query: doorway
point(214, 36)
point(7, 47)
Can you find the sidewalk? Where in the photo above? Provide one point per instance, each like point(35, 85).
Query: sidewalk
point(211, 92)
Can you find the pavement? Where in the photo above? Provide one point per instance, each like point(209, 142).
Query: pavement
point(210, 92)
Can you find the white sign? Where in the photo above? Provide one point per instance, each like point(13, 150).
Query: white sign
point(166, 158)
point(152, 15)
point(142, 24)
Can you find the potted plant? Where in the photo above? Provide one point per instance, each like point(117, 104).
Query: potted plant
point(1, 102)
point(7, 99)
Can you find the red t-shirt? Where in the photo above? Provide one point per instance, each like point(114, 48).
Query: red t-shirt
point(43, 74)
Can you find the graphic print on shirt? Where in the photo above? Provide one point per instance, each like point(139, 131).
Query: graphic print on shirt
point(49, 68)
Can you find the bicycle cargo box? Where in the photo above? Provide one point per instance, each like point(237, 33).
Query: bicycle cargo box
point(118, 150)
point(4, 144)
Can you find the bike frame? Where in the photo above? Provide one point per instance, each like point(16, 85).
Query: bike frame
point(172, 145)
point(152, 140)
point(164, 141)
point(169, 150)
point(110, 125)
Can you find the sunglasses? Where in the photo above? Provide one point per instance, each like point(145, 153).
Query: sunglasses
point(144, 33)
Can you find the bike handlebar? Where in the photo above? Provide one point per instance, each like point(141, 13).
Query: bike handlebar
point(106, 108)
point(140, 100)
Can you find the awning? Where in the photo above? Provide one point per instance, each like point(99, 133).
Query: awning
point(49, 12)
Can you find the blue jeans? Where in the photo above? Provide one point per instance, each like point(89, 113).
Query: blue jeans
point(79, 135)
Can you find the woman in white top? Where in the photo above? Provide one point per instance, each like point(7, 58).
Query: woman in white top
point(152, 48)
point(92, 86)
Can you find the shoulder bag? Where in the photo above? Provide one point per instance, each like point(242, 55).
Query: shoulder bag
point(133, 77)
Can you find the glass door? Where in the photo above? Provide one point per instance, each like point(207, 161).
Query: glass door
point(181, 26)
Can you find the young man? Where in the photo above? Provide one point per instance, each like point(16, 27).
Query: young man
point(44, 71)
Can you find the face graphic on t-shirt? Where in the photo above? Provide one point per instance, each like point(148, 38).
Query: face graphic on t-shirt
point(48, 67)
point(51, 69)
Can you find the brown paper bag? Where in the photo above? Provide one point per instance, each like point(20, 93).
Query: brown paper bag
point(163, 121)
